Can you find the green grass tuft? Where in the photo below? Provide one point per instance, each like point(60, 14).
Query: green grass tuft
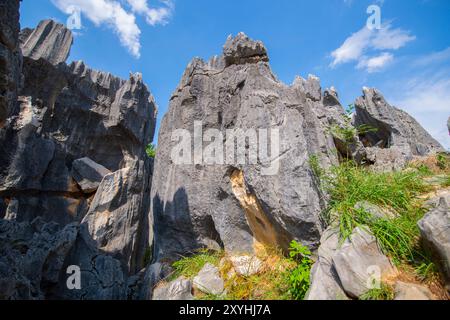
point(189, 267)
point(349, 184)
point(385, 292)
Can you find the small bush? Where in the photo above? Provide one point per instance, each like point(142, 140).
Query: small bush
point(442, 161)
point(300, 276)
point(151, 151)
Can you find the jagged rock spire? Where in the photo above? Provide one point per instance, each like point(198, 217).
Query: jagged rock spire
point(50, 40)
point(241, 49)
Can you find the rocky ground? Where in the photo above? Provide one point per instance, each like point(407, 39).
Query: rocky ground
point(354, 194)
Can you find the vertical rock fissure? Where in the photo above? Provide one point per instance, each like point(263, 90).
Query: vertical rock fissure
point(264, 231)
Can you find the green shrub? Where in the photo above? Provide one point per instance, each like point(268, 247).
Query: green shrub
point(151, 151)
point(300, 276)
point(442, 160)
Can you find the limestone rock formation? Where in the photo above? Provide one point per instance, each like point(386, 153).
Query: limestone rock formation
point(180, 289)
point(409, 291)
point(359, 262)
point(325, 283)
point(73, 155)
point(208, 280)
point(435, 231)
point(398, 136)
point(88, 174)
point(10, 58)
point(50, 41)
point(271, 198)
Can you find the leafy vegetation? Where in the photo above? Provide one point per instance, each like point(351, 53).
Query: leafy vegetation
point(347, 132)
point(385, 292)
point(151, 150)
point(300, 276)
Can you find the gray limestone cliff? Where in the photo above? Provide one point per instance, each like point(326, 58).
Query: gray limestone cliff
point(74, 173)
point(237, 205)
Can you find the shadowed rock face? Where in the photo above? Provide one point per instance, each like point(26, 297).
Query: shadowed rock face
point(237, 206)
point(10, 58)
point(64, 113)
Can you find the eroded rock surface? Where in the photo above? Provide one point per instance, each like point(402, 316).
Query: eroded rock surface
point(240, 204)
point(359, 262)
point(325, 283)
point(180, 289)
point(73, 152)
point(50, 41)
point(10, 58)
point(435, 231)
point(398, 136)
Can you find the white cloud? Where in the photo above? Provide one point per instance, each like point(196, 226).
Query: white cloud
point(352, 48)
point(390, 39)
point(116, 17)
point(375, 64)
point(358, 44)
point(153, 15)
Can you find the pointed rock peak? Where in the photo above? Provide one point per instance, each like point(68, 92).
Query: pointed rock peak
point(241, 50)
point(50, 41)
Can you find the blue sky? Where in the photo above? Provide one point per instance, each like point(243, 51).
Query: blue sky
point(408, 59)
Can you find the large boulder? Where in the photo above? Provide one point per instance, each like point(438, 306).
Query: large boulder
point(202, 201)
point(360, 264)
point(179, 289)
point(410, 291)
point(88, 174)
point(435, 231)
point(325, 283)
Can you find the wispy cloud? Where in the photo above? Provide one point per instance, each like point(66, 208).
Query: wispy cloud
point(153, 15)
point(366, 42)
point(376, 63)
point(427, 98)
point(433, 58)
point(121, 20)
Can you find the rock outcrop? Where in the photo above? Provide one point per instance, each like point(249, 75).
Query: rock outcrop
point(397, 136)
point(73, 161)
point(50, 41)
point(234, 170)
point(180, 289)
point(435, 231)
point(10, 58)
point(325, 283)
point(235, 202)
